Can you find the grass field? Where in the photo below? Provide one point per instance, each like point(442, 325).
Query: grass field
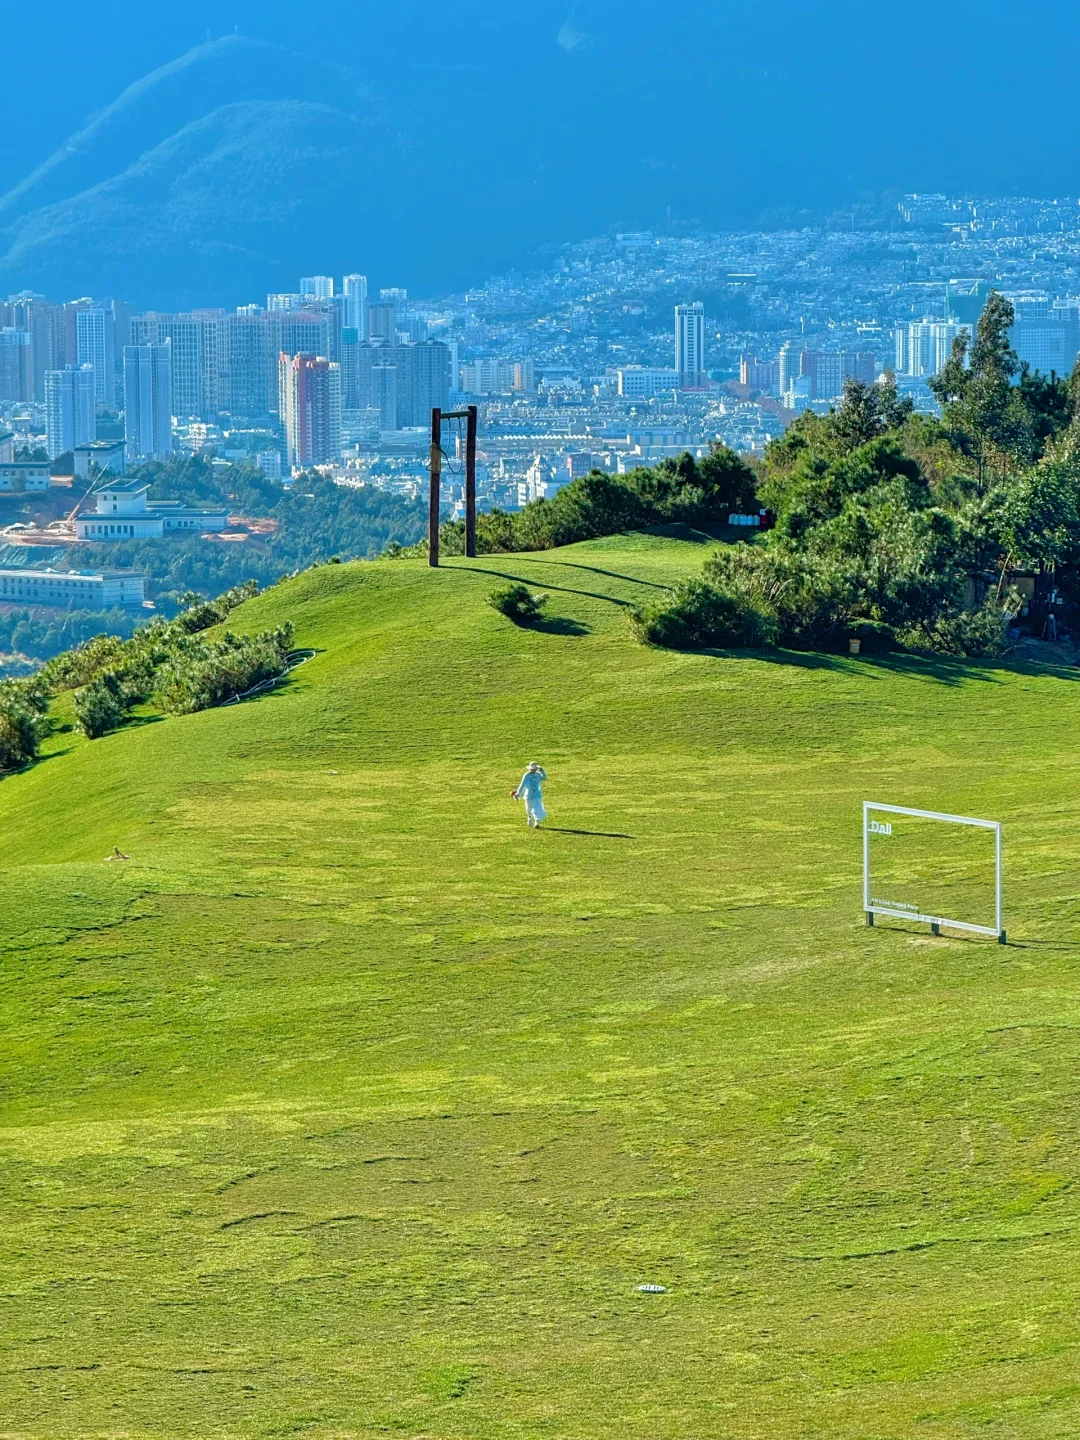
point(349, 1106)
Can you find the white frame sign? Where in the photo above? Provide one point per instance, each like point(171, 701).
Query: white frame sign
point(874, 907)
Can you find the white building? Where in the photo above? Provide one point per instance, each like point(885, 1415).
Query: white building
point(317, 287)
point(690, 345)
point(23, 476)
point(73, 589)
point(147, 401)
point(69, 408)
point(101, 455)
point(95, 340)
point(124, 513)
point(638, 382)
point(924, 346)
point(355, 288)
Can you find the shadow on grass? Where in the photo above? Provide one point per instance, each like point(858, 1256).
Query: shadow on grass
point(558, 625)
point(601, 834)
point(941, 670)
point(531, 580)
point(135, 722)
point(920, 930)
point(611, 574)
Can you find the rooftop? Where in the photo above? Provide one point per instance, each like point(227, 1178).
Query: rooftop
point(124, 487)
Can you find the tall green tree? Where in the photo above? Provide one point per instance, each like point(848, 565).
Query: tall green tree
point(987, 415)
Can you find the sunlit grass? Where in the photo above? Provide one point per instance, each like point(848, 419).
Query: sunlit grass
point(347, 1104)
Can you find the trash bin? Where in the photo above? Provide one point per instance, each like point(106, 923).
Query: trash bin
point(854, 646)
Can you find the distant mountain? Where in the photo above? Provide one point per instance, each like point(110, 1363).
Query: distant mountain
point(213, 178)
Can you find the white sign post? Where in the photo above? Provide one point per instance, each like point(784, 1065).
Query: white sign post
point(878, 826)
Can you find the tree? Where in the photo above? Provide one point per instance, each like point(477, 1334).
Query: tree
point(102, 705)
point(860, 417)
point(986, 413)
point(1040, 522)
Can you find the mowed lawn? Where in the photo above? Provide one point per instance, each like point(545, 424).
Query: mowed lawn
point(349, 1106)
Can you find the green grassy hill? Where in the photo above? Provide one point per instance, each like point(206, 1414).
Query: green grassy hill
point(348, 1105)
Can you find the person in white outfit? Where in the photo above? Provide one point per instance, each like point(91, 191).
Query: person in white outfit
point(531, 791)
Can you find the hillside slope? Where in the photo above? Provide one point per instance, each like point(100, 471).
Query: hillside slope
point(349, 1105)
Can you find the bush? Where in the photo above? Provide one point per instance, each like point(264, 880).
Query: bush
point(204, 675)
point(679, 489)
point(518, 603)
point(102, 705)
point(21, 729)
point(975, 634)
point(699, 615)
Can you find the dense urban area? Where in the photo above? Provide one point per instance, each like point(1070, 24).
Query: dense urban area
point(146, 455)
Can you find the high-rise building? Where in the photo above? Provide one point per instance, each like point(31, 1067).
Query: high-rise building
point(247, 353)
point(304, 332)
point(95, 333)
point(187, 399)
point(48, 328)
point(356, 303)
point(16, 364)
point(827, 370)
point(965, 300)
point(317, 287)
point(69, 408)
point(758, 374)
point(923, 346)
point(147, 410)
point(430, 379)
point(282, 302)
point(384, 394)
point(787, 366)
point(310, 408)
point(382, 322)
point(690, 345)
point(524, 376)
point(350, 368)
point(394, 295)
point(1045, 335)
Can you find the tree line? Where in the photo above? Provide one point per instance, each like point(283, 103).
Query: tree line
point(905, 530)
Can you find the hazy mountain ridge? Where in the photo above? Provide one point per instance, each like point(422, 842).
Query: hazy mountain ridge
point(170, 196)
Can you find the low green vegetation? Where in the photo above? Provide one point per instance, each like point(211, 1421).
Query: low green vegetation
point(685, 490)
point(175, 667)
point(518, 603)
point(347, 1106)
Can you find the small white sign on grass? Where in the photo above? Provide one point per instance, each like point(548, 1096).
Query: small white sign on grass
point(938, 869)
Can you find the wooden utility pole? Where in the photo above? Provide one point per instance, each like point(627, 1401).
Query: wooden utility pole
point(435, 491)
point(470, 483)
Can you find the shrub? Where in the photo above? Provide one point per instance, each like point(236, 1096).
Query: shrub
point(21, 729)
point(976, 634)
point(698, 615)
point(204, 675)
point(518, 603)
point(102, 705)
